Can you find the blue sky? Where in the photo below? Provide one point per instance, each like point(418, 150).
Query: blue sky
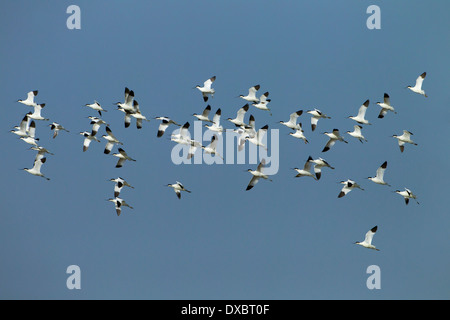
point(286, 239)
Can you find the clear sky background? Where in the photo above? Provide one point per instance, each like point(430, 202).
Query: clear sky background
point(286, 239)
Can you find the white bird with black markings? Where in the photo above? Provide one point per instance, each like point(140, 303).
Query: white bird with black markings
point(379, 177)
point(292, 123)
point(41, 152)
point(123, 156)
point(178, 187)
point(385, 106)
point(120, 183)
point(127, 105)
point(299, 135)
point(251, 97)
point(349, 185)
point(418, 86)
point(183, 136)
point(257, 174)
point(356, 133)
point(56, 127)
point(165, 123)
point(36, 115)
point(216, 127)
point(206, 90)
point(111, 140)
point(36, 170)
point(334, 136)
point(205, 114)
point(360, 117)
point(263, 102)
point(367, 243)
point(30, 138)
point(258, 138)
point(404, 138)
point(137, 114)
point(96, 124)
point(88, 138)
point(306, 171)
point(29, 101)
point(318, 165)
point(22, 129)
point(407, 194)
point(212, 147)
point(119, 203)
point(239, 120)
point(316, 115)
point(95, 106)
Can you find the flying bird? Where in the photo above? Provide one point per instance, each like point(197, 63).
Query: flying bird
point(165, 122)
point(349, 185)
point(36, 170)
point(334, 136)
point(36, 115)
point(206, 90)
point(385, 106)
point(96, 123)
point(216, 127)
point(251, 97)
point(418, 87)
point(407, 194)
point(292, 123)
point(119, 203)
point(367, 243)
point(239, 120)
point(257, 139)
point(299, 135)
point(178, 187)
point(306, 171)
point(356, 133)
point(212, 147)
point(95, 106)
point(316, 115)
point(30, 137)
point(205, 114)
point(127, 105)
point(257, 174)
point(88, 137)
point(379, 178)
point(318, 165)
point(111, 140)
point(56, 127)
point(120, 183)
point(23, 128)
point(361, 114)
point(123, 156)
point(263, 102)
point(404, 138)
point(29, 101)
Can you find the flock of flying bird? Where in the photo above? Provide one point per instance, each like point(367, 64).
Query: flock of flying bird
point(246, 131)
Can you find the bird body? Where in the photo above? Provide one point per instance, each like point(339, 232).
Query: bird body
point(385, 106)
point(206, 90)
point(379, 178)
point(251, 97)
point(316, 115)
point(367, 243)
point(418, 86)
point(361, 114)
point(257, 174)
point(404, 138)
point(178, 187)
point(356, 133)
point(29, 101)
